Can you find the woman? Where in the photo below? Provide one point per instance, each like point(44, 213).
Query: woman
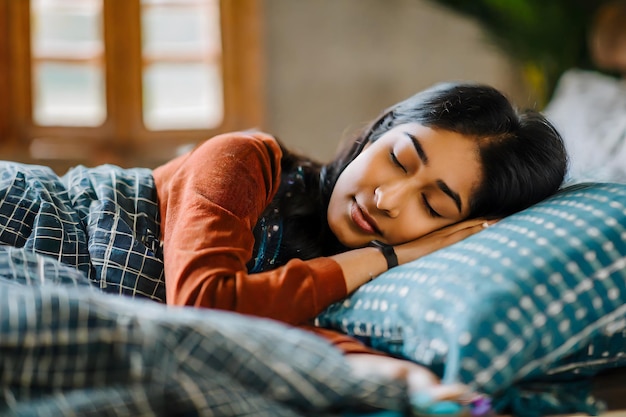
point(248, 226)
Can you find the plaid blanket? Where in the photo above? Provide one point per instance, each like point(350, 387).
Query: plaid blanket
point(69, 347)
point(103, 221)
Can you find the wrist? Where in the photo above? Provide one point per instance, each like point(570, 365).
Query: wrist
point(387, 251)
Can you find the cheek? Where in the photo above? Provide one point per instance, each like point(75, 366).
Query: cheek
point(352, 177)
point(336, 206)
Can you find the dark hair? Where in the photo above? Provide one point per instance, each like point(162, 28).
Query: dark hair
point(522, 156)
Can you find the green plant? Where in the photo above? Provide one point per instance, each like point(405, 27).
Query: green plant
point(546, 36)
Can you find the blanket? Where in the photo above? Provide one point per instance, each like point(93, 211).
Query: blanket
point(71, 345)
point(103, 222)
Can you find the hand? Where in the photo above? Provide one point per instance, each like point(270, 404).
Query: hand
point(439, 239)
point(419, 379)
point(361, 265)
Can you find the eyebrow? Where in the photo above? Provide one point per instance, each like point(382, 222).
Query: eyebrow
point(453, 195)
point(418, 148)
point(442, 185)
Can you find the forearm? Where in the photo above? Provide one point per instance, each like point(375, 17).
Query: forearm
point(294, 293)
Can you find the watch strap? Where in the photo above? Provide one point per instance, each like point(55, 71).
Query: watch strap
point(388, 252)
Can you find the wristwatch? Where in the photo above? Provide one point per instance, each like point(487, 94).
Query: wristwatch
point(387, 251)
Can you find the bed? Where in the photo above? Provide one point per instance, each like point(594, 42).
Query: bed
point(82, 335)
point(531, 311)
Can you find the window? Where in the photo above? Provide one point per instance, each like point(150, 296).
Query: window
point(125, 82)
point(181, 59)
point(67, 63)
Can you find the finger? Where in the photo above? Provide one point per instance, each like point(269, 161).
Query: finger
point(451, 392)
point(455, 395)
point(469, 224)
point(488, 223)
point(476, 225)
point(466, 232)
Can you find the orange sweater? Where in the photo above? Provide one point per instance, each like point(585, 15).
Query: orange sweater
point(210, 200)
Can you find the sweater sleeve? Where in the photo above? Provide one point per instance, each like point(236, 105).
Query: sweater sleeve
point(210, 200)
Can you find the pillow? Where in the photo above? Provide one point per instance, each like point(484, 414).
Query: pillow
point(540, 294)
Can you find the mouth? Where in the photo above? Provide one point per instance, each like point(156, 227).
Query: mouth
point(363, 220)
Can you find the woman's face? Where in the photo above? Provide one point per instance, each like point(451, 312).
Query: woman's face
point(411, 181)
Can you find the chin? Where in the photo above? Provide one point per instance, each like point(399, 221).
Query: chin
point(354, 242)
point(348, 237)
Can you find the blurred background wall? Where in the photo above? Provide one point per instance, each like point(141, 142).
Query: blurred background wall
point(133, 82)
point(332, 65)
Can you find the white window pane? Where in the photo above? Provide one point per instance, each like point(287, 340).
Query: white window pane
point(68, 95)
point(66, 26)
point(68, 74)
point(182, 96)
point(175, 30)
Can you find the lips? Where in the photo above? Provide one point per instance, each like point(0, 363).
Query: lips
point(363, 220)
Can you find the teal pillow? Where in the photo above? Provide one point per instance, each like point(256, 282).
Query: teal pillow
point(540, 294)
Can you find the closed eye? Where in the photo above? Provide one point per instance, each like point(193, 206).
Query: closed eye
point(396, 162)
point(429, 208)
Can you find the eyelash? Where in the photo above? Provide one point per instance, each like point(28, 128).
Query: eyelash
point(396, 162)
point(429, 209)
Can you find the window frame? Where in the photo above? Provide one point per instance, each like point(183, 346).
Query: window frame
point(122, 138)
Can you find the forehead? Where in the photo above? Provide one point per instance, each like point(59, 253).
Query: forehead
point(442, 141)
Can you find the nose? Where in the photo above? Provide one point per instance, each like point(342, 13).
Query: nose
point(390, 197)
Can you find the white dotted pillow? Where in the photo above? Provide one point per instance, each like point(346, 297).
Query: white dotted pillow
point(542, 292)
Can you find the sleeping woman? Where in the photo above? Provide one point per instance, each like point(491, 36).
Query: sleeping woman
point(248, 226)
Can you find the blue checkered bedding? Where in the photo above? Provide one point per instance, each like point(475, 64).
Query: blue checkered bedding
point(71, 346)
point(103, 222)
